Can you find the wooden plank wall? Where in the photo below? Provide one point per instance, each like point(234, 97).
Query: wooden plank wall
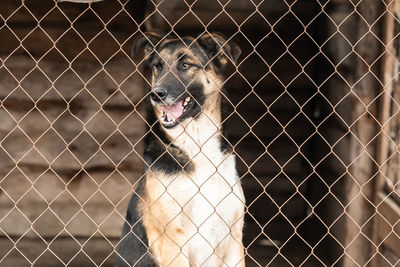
point(70, 103)
point(352, 131)
point(386, 230)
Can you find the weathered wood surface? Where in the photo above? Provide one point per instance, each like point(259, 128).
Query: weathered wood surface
point(64, 140)
point(389, 157)
point(387, 186)
point(84, 81)
point(363, 169)
point(69, 28)
point(348, 211)
point(67, 108)
point(388, 222)
point(86, 205)
point(95, 251)
point(56, 14)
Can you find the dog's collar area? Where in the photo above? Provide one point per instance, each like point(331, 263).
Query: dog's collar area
point(173, 113)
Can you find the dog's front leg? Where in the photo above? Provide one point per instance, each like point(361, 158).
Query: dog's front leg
point(234, 256)
point(201, 252)
point(167, 252)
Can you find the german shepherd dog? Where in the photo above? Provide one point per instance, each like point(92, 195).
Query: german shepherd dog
point(189, 208)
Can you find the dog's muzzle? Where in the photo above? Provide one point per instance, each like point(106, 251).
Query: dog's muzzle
point(174, 112)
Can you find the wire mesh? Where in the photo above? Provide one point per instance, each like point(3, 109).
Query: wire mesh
point(313, 115)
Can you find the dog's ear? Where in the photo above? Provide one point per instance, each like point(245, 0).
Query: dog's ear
point(217, 47)
point(147, 41)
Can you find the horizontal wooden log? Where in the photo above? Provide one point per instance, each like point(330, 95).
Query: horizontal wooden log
point(270, 169)
point(85, 83)
point(50, 149)
point(99, 123)
point(279, 230)
point(279, 186)
point(46, 40)
point(54, 43)
point(103, 200)
point(65, 247)
point(233, 5)
point(57, 13)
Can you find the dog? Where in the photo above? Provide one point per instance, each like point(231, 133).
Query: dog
point(188, 210)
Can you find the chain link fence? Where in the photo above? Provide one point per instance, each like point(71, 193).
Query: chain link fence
point(313, 119)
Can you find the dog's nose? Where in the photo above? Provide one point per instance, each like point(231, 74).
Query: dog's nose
point(158, 94)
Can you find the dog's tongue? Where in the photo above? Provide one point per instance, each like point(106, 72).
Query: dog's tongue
point(174, 111)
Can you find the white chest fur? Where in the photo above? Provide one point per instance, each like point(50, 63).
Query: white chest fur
point(199, 213)
point(214, 186)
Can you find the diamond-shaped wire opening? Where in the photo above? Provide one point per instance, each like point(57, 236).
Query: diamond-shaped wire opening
point(70, 49)
point(63, 200)
point(13, 42)
point(98, 249)
point(24, 245)
point(53, 64)
point(90, 207)
point(35, 41)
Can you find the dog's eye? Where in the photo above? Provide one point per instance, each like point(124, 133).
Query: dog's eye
point(186, 66)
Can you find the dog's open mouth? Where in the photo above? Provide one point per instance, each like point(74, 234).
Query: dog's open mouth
point(174, 113)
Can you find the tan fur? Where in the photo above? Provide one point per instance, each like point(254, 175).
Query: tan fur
point(165, 237)
point(196, 219)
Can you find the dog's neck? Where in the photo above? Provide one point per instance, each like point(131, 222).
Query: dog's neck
point(200, 135)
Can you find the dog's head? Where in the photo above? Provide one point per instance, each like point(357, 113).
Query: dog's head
point(185, 72)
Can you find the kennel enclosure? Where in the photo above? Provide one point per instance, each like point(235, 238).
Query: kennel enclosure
point(314, 122)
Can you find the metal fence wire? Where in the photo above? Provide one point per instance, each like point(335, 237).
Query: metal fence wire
point(312, 116)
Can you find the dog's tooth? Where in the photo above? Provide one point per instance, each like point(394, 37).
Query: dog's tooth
point(186, 101)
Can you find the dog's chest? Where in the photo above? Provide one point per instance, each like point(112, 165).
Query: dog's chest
point(208, 200)
point(210, 188)
point(198, 209)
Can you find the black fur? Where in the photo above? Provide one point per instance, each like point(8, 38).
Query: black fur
point(214, 43)
point(156, 155)
point(148, 41)
point(165, 160)
point(225, 146)
point(161, 155)
point(133, 246)
point(196, 91)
